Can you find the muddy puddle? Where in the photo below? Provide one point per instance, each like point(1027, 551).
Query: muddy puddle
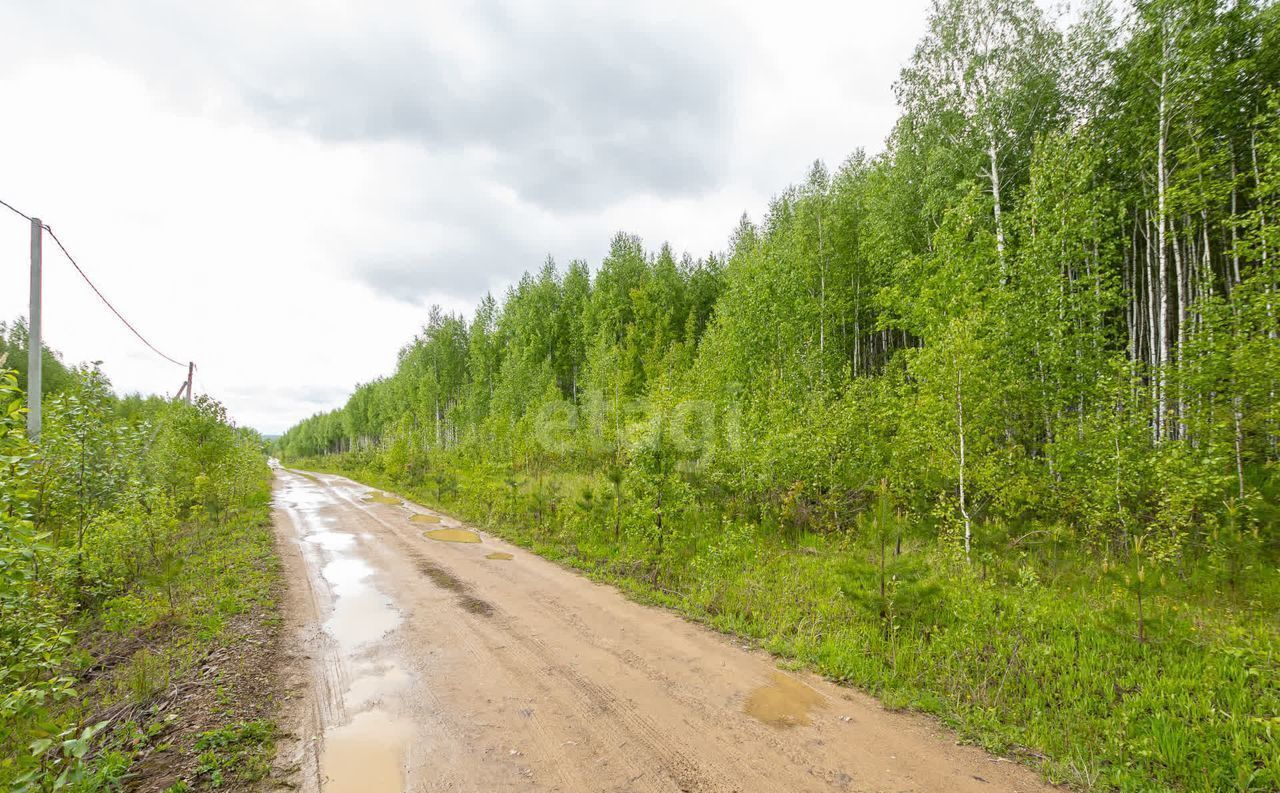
point(361, 614)
point(366, 754)
point(452, 535)
point(332, 540)
point(785, 702)
point(422, 517)
point(305, 499)
point(503, 555)
point(370, 687)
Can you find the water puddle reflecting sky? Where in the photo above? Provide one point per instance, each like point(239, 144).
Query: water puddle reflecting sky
point(367, 752)
point(361, 614)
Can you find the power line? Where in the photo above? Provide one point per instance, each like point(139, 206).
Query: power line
point(95, 289)
point(15, 210)
point(102, 297)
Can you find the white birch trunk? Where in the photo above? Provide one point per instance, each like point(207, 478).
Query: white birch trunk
point(995, 203)
point(1162, 351)
point(1180, 279)
point(1234, 279)
point(964, 507)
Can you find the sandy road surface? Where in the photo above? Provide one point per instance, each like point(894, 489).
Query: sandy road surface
point(429, 665)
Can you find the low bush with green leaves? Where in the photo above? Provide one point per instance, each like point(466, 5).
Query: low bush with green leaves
point(131, 537)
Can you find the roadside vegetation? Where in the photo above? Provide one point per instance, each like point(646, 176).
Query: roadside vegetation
point(987, 424)
point(136, 562)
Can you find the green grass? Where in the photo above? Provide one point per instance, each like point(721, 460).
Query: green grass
point(237, 752)
point(1032, 654)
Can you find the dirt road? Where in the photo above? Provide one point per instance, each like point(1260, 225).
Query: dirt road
point(433, 664)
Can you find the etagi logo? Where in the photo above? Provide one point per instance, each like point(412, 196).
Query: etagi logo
point(685, 429)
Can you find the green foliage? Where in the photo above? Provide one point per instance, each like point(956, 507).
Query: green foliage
point(14, 346)
point(34, 638)
point(241, 752)
point(61, 759)
point(131, 519)
point(988, 422)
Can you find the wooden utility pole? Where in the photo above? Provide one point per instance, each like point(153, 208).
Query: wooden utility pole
point(191, 370)
point(35, 345)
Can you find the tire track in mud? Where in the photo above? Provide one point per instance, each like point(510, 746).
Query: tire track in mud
point(538, 666)
point(479, 648)
point(630, 658)
point(471, 643)
point(684, 772)
point(348, 648)
point(445, 731)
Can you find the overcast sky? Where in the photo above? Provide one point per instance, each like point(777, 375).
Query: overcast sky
point(279, 190)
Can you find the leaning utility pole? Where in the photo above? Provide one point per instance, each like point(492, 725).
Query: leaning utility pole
point(35, 346)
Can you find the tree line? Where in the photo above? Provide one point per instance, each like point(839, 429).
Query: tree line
point(1051, 298)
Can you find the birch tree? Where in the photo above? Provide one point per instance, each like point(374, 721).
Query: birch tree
point(985, 80)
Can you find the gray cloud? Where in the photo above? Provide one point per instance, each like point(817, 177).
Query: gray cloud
point(573, 114)
point(411, 278)
point(572, 107)
point(502, 124)
point(448, 238)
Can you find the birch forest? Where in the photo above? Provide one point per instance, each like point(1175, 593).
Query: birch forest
point(986, 423)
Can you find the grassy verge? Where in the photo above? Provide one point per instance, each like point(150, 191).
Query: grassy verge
point(1029, 651)
point(196, 711)
point(173, 688)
